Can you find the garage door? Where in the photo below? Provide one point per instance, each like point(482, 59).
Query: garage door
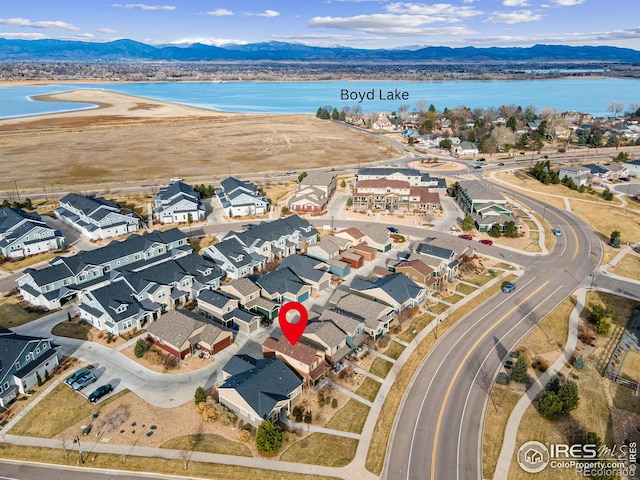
point(303, 297)
point(222, 344)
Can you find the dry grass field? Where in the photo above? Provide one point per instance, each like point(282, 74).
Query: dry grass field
point(131, 139)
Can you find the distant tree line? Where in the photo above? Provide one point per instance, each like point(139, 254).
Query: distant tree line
point(16, 204)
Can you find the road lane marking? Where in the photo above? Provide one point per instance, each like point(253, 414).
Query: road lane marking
point(464, 409)
point(459, 369)
point(444, 359)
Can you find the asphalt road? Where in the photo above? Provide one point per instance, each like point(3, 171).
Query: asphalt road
point(10, 470)
point(438, 434)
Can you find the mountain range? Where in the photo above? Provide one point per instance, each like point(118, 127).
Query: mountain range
point(130, 50)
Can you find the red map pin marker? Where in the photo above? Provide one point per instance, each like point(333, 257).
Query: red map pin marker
point(293, 331)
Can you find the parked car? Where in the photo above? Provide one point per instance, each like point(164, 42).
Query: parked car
point(100, 392)
point(478, 166)
point(486, 241)
point(501, 164)
point(508, 364)
point(84, 381)
point(393, 229)
point(80, 373)
point(557, 232)
point(465, 236)
point(508, 287)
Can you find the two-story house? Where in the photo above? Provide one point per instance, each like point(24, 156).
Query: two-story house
point(179, 203)
point(487, 206)
point(95, 217)
point(241, 198)
point(23, 234)
point(313, 192)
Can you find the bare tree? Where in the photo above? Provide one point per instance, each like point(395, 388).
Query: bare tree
point(615, 108)
point(402, 110)
point(633, 108)
point(503, 136)
point(421, 105)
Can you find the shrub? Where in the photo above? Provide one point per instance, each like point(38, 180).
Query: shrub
point(154, 358)
point(269, 438)
point(244, 435)
point(200, 395)
point(171, 362)
point(550, 406)
point(209, 414)
point(141, 348)
point(334, 403)
point(579, 363)
point(519, 371)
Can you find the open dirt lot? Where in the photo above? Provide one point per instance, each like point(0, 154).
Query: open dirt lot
point(131, 139)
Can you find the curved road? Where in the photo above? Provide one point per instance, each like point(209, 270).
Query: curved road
point(442, 415)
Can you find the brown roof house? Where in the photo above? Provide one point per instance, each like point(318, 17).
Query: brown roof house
point(307, 361)
point(419, 272)
point(181, 333)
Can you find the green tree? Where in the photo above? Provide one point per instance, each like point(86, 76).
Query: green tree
point(621, 157)
point(350, 202)
point(38, 379)
point(602, 327)
point(411, 141)
point(200, 395)
point(512, 123)
point(343, 184)
point(495, 231)
point(592, 438)
point(140, 348)
point(446, 144)
point(519, 371)
point(607, 194)
point(285, 210)
point(468, 223)
point(553, 385)
point(343, 116)
point(301, 176)
point(269, 438)
point(511, 230)
point(568, 394)
point(335, 115)
point(47, 377)
point(579, 363)
point(27, 204)
point(615, 239)
point(599, 312)
point(613, 141)
point(550, 406)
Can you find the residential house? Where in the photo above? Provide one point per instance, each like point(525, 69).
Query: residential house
point(411, 175)
point(353, 329)
point(241, 198)
point(339, 267)
point(283, 285)
point(375, 316)
point(216, 305)
point(383, 123)
point(183, 333)
point(420, 272)
point(329, 246)
point(23, 359)
point(306, 361)
point(327, 337)
point(581, 175)
point(65, 277)
point(259, 389)
point(484, 203)
point(311, 271)
point(243, 253)
point(313, 192)
point(608, 171)
point(248, 295)
point(443, 261)
point(354, 260)
point(179, 203)
point(633, 166)
point(377, 236)
point(352, 235)
point(465, 148)
point(397, 291)
point(23, 234)
point(95, 217)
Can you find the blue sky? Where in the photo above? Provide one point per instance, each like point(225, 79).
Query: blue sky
point(355, 23)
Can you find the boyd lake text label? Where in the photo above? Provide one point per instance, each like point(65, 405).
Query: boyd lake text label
point(373, 94)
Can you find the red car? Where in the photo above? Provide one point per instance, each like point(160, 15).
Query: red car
point(465, 236)
point(486, 241)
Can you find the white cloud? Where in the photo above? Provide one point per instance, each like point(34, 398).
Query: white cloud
point(515, 3)
point(328, 39)
point(85, 36)
point(514, 17)
point(268, 13)
point(220, 12)
point(388, 24)
point(109, 31)
point(23, 36)
point(564, 38)
point(23, 22)
point(567, 3)
point(441, 9)
point(144, 6)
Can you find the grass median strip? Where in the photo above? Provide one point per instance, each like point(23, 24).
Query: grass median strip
point(350, 418)
point(382, 432)
point(149, 464)
point(210, 443)
point(321, 449)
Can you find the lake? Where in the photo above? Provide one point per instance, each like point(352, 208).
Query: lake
point(589, 95)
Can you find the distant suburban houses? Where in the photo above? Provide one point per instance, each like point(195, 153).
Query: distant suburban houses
point(241, 198)
point(179, 203)
point(23, 359)
point(95, 217)
point(25, 233)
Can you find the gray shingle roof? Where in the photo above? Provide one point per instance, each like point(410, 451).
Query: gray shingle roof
point(281, 281)
point(263, 386)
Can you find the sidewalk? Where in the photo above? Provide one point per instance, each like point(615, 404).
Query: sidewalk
point(511, 430)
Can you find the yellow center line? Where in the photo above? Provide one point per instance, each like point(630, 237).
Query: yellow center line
point(460, 366)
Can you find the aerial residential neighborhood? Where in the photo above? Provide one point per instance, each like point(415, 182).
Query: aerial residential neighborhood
point(330, 240)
